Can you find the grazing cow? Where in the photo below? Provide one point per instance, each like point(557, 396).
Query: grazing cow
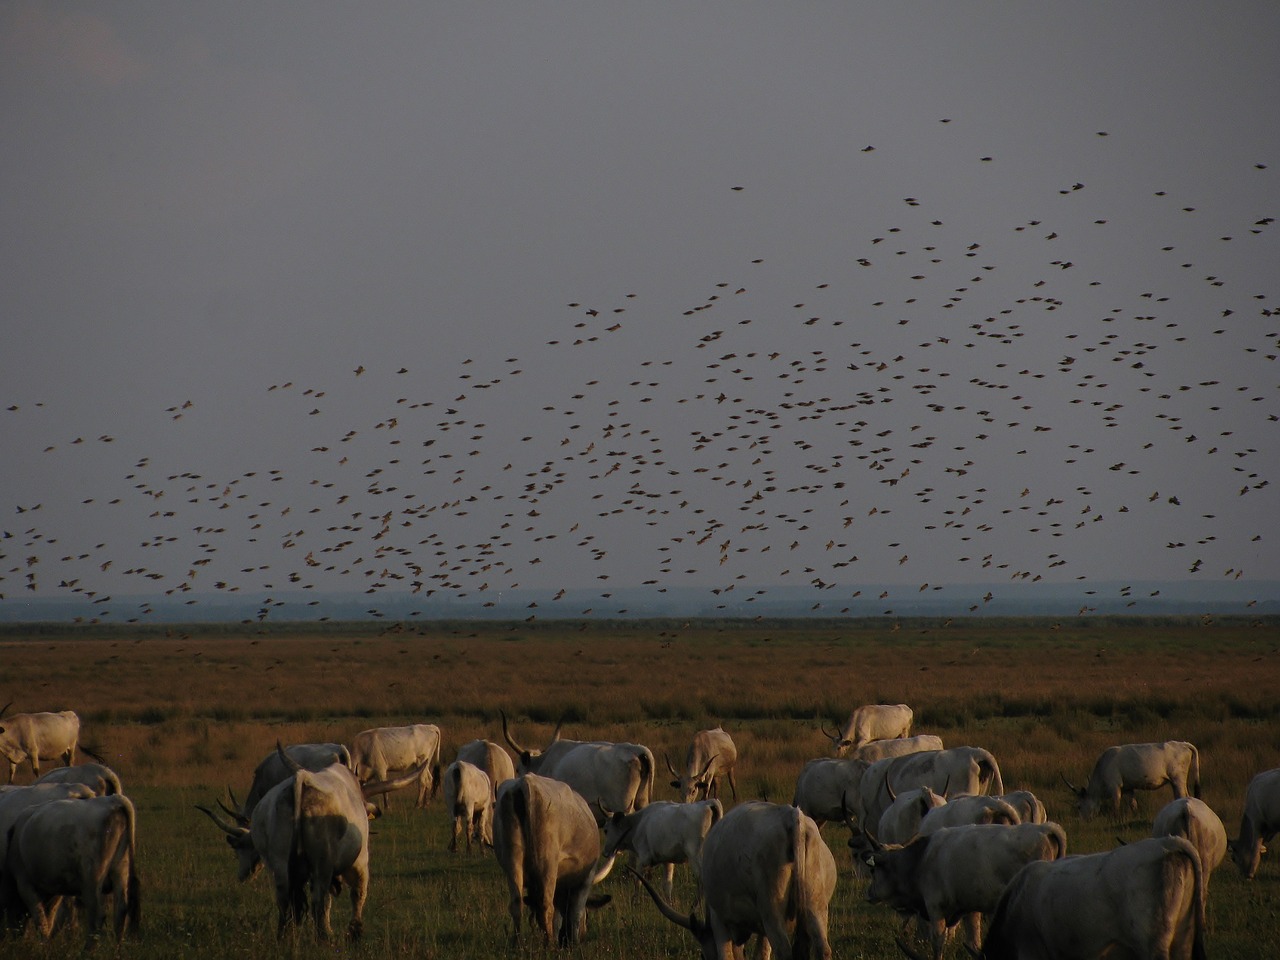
point(547, 842)
point(1194, 821)
point(871, 721)
point(38, 736)
point(879, 749)
point(711, 754)
point(274, 770)
point(620, 774)
point(956, 873)
point(468, 796)
point(1028, 805)
point(384, 750)
point(311, 829)
point(970, 810)
point(1145, 899)
point(823, 785)
point(82, 848)
point(663, 832)
point(901, 819)
point(1261, 822)
point(765, 872)
point(490, 758)
point(97, 776)
point(1138, 766)
point(953, 772)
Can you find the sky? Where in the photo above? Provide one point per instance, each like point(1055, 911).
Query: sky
point(452, 299)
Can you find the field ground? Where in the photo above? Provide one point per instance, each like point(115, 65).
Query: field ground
point(182, 712)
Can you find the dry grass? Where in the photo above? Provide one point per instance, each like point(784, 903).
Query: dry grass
point(181, 715)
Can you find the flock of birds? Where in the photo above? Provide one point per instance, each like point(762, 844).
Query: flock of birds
point(1029, 408)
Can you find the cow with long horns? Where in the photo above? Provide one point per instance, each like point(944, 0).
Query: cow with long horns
point(711, 754)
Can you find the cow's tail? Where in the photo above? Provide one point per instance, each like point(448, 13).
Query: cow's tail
point(645, 787)
point(454, 786)
point(1173, 874)
point(435, 769)
point(133, 887)
point(1057, 839)
point(1195, 771)
point(988, 768)
point(809, 937)
point(717, 811)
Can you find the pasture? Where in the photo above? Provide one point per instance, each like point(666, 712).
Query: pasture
point(180, 713)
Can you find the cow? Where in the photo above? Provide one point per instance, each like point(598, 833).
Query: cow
point(547, 842)
point(620, 774)
point(469, 796)
point(901, 820)
point(663, 832)
point(966, 810)
point(871, 721)
point(823, 785)
point(312, 828)
point(97, 776)
point(1028, 805)
point(383, 750)
point(274, 770)
point(956, 873)
point(1261, 822)
point(879, 749)
point(765, 872)
point(1195, 821)
point(952, 772)
point(711, 754)
point(14, 800)
point(490, 758)
point(38, 736)
point(1122, 769)
point(83, 848)
point(1145, 899)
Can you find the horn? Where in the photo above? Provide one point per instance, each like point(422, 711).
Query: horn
point(506, 732)
point(674, 773)
point(907, 948)
point(375, 787)
point(604, 809)
point(833, 737)
point(555, 734)
point(1070, 786)
point(844, 809)
point(5, 707)
point(889, 787)
point(290, 764)
point(689, 922)
point(703, 773)
point(235, 811)
point(945, 784)
point(228, 829)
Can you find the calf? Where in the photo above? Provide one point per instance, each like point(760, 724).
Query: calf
point(468, 796)
point(663, 832)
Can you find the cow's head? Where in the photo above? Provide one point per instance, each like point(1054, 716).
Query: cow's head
point(527, 761)
point(617, 827)
point(695, 786)
point(840, 743)
point(238, 839)
point(1087, 805)
point(1246, 856)
point(700, 930)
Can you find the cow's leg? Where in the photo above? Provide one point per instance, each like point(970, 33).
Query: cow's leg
point(457, 829)
point(358, 877)
point(515, 892)
point(321, 902)
point(733, 785)
point(669, 882)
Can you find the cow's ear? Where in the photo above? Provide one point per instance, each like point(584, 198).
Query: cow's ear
point(871, 860)
point(674, 783)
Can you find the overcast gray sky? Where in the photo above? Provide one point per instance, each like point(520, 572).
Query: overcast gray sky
point(471, 296)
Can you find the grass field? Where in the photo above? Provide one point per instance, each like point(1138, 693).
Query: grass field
point(181, 713)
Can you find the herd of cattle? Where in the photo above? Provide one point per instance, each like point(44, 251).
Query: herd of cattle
point(933, 827)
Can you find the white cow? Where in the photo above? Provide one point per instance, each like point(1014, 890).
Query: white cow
point(381, 751)
point(711, 755)
point(825, 785)
point(274, 769)
point(547, 842)
point(970, 810)
point(1261, 822)
point(1145, 899)
point(1028, 805)
point(871, 721)
point(765, 872)
point(490, 758)
point(82, 848)
point(1194, 821)
point(957, 873)
point(311, 830)
point(1122, 769)
point(952, 772)
point(14, 800)
point(468, 796)
point(663, 832)
point(38, 736)
point(901, 819)
point(879, 749)
point(97, 776)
